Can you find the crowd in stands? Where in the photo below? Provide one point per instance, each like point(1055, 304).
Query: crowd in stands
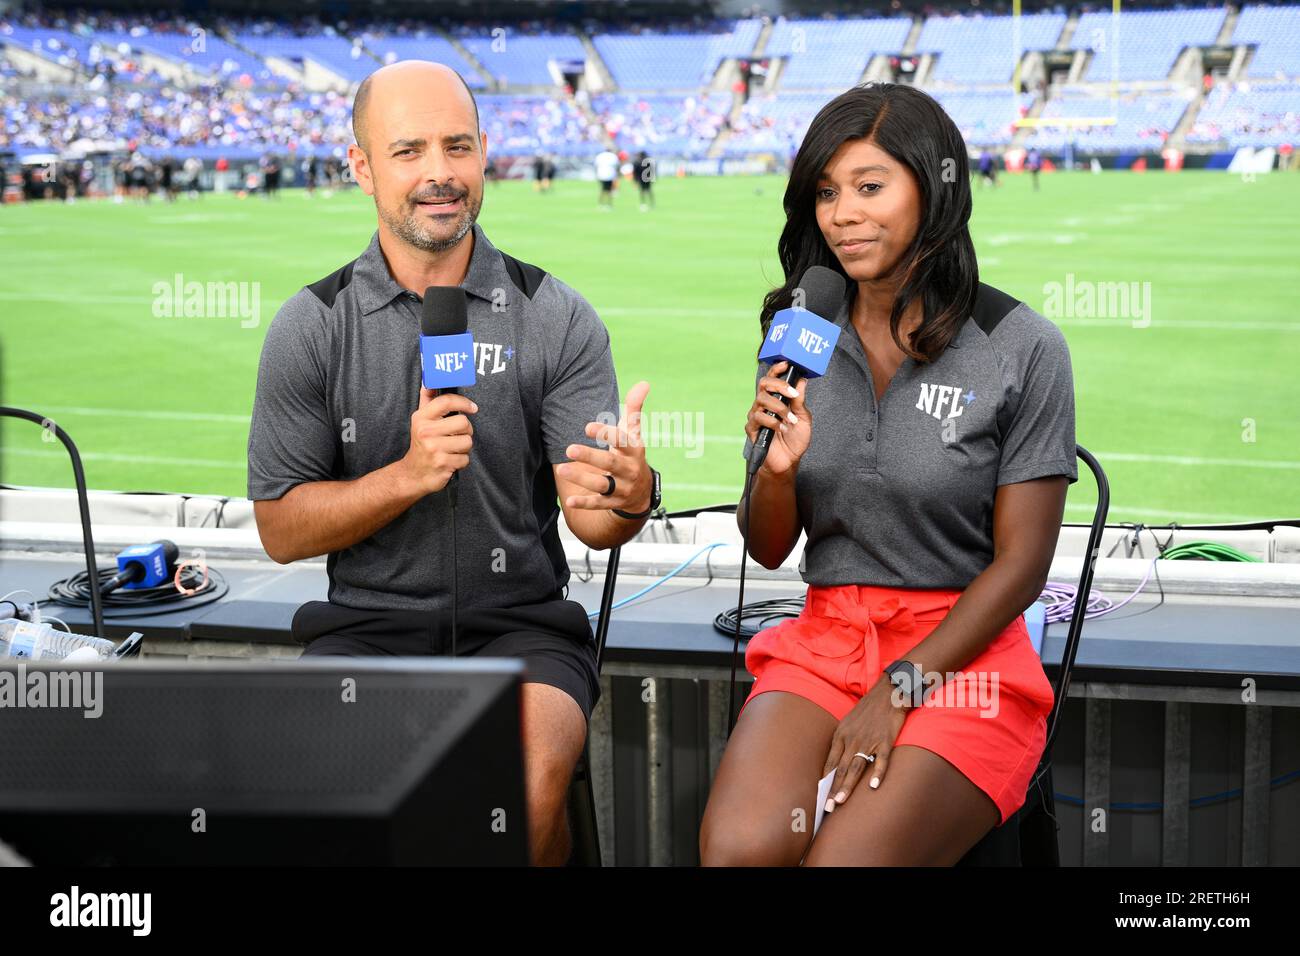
point(167, 86)
point(1249, 114)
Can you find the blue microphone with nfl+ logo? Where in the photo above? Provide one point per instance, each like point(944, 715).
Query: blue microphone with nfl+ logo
point(143, 566)
point(803, 337)
point(446, 347)
point(446, 351)
point(447, 364)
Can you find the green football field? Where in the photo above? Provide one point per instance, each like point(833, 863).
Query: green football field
point(1190, 405)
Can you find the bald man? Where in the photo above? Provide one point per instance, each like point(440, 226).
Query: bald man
point(350, 456)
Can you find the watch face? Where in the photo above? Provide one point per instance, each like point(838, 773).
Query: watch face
point(907, 685)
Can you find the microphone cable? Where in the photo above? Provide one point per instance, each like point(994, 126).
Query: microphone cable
point(757, 454)
point(192, 586)
point(453, 490)
point(766, 613)
point(740, 599)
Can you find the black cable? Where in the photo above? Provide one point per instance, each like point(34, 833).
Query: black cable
point(590, 572)
point(765, 612)
point(754, 461)
point(453, 491)
point(219, 511)
point(129, 602)
point(1155, 565)
point(740, 599)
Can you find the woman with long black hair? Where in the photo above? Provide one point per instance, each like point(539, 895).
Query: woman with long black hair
point(929, 469)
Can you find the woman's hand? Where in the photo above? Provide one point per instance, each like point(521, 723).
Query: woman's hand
point(871, 728)
point(792, 425)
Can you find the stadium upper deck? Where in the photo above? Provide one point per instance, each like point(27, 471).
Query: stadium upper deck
point(1198, 79)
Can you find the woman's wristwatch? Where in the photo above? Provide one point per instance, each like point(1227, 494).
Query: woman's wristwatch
point(655, 498)
point(907, 681)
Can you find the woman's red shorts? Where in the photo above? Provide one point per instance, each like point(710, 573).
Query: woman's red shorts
point(989, 719)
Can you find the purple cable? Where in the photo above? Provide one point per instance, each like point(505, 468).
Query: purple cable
point(1060, 598)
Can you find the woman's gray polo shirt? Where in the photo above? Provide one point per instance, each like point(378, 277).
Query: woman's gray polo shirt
point(338, 382)
point(900, 493)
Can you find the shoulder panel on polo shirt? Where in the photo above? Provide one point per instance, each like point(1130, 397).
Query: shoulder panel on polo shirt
point(991, 307)
point(327, 289)
point(527, 278)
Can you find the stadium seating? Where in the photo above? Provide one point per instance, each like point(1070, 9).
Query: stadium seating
point(973, 50)
point(1276, 31)
point(673, 61)
point(8, 69)
point(163, 120)
point(774, 123)
point(334, 53)
point(662, 124)
point(528, 125)
point(426, 46)
point(520, 59)
point(1251, 114)
point(58, 46)
point(1142, 121)
point(1142, 44)
point(235, 106)
point(832, 54)
point(206, 52)
point(985, 117)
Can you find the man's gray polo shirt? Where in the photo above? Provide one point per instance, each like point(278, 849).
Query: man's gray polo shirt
point(899, 493)
point(340, 378)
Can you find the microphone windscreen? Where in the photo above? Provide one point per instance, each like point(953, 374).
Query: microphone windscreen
point(445, 311)
point(823, 291)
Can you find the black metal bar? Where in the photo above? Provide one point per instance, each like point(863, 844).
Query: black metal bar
point(83, 503)
point(606, 605)
point(1074, 634)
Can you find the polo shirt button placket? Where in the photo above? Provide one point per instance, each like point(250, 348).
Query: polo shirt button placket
point(872, 448)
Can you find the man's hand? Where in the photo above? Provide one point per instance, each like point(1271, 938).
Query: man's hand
point(440, 441)
point(624, 459)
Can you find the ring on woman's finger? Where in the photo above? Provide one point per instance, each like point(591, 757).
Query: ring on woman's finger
point(869, 758)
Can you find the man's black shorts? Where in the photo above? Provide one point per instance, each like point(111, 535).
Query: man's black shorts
point(553, 638)
point(607, 185)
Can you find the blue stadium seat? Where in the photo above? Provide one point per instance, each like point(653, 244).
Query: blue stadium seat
point(521, 59)
point(429, 46)
point(985, 117)
point(1143, 121)
point(335, 53)
point(984, 49)
point(528, 125)
point(1249, 114)
point(1142, 44)
point(1276, 31)
point(663, 124)
point(673, 61)
point(832, 54)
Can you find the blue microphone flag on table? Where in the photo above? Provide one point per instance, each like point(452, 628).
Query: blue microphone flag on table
point(147, 565)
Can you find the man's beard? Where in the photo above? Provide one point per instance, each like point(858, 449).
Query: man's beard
point(408, 222)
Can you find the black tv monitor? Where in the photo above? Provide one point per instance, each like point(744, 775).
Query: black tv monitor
point(313, 762)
